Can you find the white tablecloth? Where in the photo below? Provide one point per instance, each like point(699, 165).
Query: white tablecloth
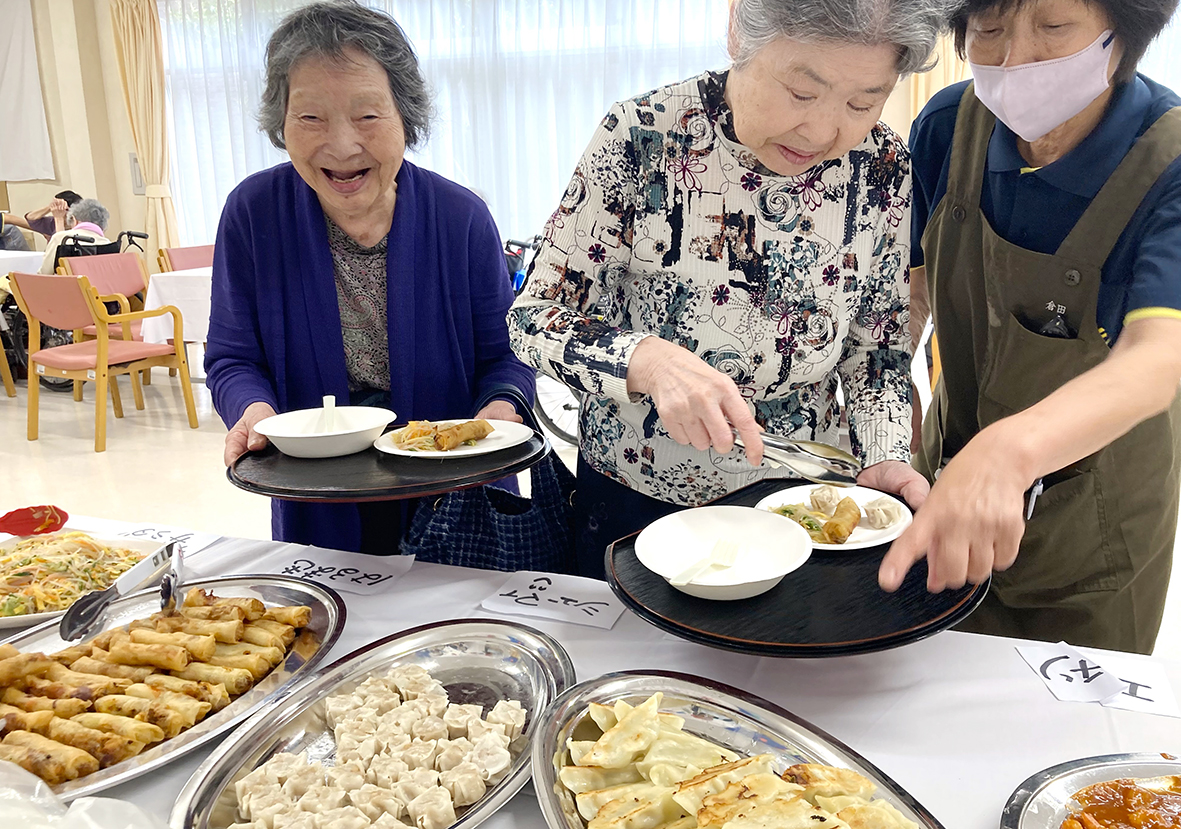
point(189, 291)
point(958, 720)
point(19, 261)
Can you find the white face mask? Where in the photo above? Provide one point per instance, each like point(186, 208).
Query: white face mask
point(1034, 98)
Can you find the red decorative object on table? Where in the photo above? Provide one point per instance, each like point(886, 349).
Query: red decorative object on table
point(33, 520)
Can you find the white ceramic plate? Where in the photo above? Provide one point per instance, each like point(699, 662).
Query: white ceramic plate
point(768, 549)
point(145, 547)
point(505, 433)
point(862, 537)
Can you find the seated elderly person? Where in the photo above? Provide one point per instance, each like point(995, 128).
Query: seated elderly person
point(350, 271)
point(47, 220)
point(85, 224)
point(11, 237)
point(730, 249)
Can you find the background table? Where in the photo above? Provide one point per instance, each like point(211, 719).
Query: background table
point(189, 291)
point(958, 720)
point(20, 261)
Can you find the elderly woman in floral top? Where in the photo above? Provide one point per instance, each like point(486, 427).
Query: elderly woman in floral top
point(731, 249)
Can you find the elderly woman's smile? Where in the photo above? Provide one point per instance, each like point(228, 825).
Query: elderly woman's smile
point(345, 137)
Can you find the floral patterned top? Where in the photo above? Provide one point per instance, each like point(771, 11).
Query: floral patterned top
point(672, 228)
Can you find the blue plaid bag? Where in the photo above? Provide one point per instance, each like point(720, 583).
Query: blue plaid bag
point(489, 528)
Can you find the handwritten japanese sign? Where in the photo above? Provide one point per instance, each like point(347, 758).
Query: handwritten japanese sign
point(1074, 675)
point(553, 596)
point(188, 541)
point(345, 572)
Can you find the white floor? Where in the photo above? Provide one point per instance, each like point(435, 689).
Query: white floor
point(158, 469)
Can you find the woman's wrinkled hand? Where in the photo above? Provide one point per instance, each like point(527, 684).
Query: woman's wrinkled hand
point(697, 404)
point(242, 438)
point(499, 410)
point(970, 525)
point(897, 478)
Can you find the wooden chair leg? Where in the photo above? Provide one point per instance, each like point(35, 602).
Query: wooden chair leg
point(147, 377)
point(137, 391)
point(34, 400)
point(78, 391)
point(116, 399)
point(6, 375)
point(171, 372)
point(186, 388)
point(100, 409)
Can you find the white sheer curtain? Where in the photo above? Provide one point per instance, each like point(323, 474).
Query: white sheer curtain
point(1163, 61)
point(518, 85)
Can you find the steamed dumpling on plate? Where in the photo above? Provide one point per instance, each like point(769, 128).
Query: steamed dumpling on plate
point(882, 513)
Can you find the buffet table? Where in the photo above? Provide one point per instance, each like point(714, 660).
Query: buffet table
point(958, 720)
point(188, 291)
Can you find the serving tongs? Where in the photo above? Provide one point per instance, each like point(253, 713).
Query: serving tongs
point(816, 462)
point(88, 610)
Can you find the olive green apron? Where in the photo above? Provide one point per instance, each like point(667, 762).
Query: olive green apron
point(1095, 560)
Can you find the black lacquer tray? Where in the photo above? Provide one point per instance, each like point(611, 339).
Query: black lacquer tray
point(832, 606)
point(376, 476)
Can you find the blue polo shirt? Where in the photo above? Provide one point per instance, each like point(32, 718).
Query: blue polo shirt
point(1037, 208)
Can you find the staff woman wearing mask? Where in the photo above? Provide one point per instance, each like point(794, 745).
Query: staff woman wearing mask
point(1047, 235)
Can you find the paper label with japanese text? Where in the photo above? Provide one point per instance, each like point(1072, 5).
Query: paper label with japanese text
point(187, 541)
point(553, 596)
point(346, 572)
point(1077, 675)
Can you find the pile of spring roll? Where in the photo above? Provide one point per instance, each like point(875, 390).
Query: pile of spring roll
point(67, 714)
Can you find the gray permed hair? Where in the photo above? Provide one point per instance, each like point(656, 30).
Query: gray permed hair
point(329, 29)
point(90, 210)
point(913, 26)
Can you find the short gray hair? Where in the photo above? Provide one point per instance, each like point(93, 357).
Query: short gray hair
point(330, 29)
point(90, 210)
point(912, 26)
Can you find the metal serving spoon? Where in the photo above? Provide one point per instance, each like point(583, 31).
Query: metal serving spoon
point(88, 610)
point(816, 462)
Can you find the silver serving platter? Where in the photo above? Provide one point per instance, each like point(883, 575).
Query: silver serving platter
point(1043, 801)
point(477, 660)
point(724, 715)
point(308, 650)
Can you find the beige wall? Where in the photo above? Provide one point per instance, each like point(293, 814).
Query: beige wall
point(88, 126)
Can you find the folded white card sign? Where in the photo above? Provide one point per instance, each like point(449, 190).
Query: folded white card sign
point(1078, 675)
point(553, 596)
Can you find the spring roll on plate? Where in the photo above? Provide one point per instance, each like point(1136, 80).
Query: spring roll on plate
point(24, 665)
point(90, 665)
point(168, 657)
point(214, 694)
point(14, 719)
point(132, 729)
point(298, 616)
point(459, 434)
point(153, 711)
point(192, 709)
point(236, 680)
point(844, 520)
point(200, 648)
point(48, 759)
point(108, 749)
point(62, 707)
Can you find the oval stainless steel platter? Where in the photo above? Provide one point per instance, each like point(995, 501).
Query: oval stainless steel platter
point(308, 651)
point(477, 660)
point(1043, 801)
point(727, 716)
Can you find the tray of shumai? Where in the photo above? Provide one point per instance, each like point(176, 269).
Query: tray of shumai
point(151, 685)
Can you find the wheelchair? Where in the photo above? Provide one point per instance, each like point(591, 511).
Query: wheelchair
point(14, 329)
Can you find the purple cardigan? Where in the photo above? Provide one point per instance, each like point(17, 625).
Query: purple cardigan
point(275, 334)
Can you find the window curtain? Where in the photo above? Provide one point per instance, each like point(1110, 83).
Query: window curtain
point(949, 69)
point(25, 153)
point(141, 69)
point(518, 87)
point(1162, 62)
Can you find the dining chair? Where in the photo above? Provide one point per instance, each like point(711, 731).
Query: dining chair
point(117, 274)
point(182, 259)
point(74, 304)
point(5, 371)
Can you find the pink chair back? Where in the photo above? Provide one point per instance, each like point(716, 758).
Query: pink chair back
point(199, 256)
point(110, 273)
point(56, 301)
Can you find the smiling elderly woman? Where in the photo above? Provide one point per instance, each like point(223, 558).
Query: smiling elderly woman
point(350, 271)
point(731, 248)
